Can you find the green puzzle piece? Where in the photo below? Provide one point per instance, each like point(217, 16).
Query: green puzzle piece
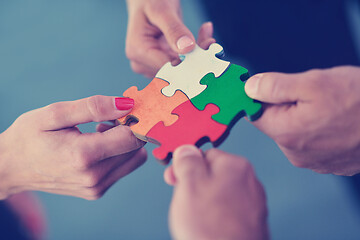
point(228, 93)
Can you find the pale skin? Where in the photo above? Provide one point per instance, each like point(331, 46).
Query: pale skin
point(313, 116)
point(216, 196)
point(43, 149)
point(156, 35)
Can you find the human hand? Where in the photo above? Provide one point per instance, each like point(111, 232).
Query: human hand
point(313, 116)
point(44, 150)
point(156, 34)
point(216, 196)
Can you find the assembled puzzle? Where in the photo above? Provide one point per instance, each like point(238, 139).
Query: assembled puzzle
point(195, 102)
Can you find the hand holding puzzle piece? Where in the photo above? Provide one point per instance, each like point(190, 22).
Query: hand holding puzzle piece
point(195, 102)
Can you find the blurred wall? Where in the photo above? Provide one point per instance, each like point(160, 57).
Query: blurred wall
point(64, 50)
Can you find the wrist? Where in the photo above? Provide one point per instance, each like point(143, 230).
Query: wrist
point(5, 186)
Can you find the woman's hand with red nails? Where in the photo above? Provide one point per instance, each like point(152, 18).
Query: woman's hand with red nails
point(44, 150)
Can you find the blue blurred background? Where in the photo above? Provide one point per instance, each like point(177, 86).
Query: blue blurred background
point(65, 50)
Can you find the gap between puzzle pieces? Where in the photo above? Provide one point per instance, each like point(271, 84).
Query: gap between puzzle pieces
point(228, 93)
point(214, 92)
point(186, 75)
point(192, 127)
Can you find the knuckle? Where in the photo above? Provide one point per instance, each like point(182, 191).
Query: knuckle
point(242, 165)
point(300, 163)
point(286, 141)
point(137, 68)
point(24, 118)
point(91, 179)
point(82, 159)
point(96, 109)
point(348, 173)
point(94, 193)
point(323, 171)
point(316, 78)
point(54, 111)
point(126, 135)
point(143, 156)
point(131, 51)
point(316, 74)
point(290, 141)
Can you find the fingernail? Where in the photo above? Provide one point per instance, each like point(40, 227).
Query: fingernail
point(187, 151)
point(252, 85)
point(122, 103)
point(184, 42)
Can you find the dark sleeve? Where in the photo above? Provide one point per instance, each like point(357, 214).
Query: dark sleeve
point(285, 36)
point(10, 226)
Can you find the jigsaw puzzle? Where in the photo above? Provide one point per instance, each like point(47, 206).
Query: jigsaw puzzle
point(151, 107)
point(187, 75)
point(228, 93)
point(195, 102)
point(192, 127)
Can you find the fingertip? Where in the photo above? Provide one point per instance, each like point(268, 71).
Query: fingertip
point(189, 163)
point(252, 85)
point(186, 151)
point(206, 43)
point(205, 35)
point(169, 176)
point(124, 103)
point(185, 44)
point(207, 29)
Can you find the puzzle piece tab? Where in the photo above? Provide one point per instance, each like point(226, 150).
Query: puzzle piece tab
point(187, 75)
point(228, 93)
point(151, 107)
point(192, 127)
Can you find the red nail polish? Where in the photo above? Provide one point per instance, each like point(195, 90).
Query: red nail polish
point(124, 103)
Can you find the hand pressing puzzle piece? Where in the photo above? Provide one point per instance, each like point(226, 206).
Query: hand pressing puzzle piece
point(228, 93)
point(187, 75)
point(151, 107)
point(192, 127)
point(192, 103)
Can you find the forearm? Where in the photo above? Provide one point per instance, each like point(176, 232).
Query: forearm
point(4, 174)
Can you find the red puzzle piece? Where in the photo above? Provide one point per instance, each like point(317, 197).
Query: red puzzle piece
point(192, 127)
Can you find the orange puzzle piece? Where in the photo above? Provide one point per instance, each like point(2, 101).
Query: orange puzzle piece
point(151, 107)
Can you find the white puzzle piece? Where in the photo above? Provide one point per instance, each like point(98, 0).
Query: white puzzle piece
point(187, 75)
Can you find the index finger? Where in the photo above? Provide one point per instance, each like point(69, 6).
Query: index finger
point(92, 109)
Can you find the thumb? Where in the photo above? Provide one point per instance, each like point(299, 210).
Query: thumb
point(166, 18)
point(275, 88)
point(189, 164)
point(92, 109)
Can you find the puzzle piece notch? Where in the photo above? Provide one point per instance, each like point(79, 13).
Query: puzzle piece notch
point(151, 107)
point(187, 75)
point(192, 127)
point(228, 93)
